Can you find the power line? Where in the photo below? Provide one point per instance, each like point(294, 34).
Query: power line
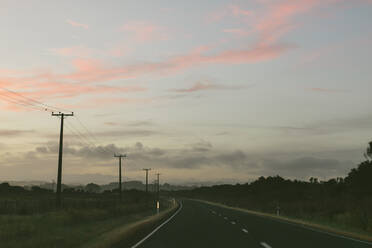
point(80, 134)
point(91, 134)
point(19, 99)
point(28, 102)
point(80, 141)
point(36, 102)
point(84, 139)
point(91, 142)
point(23, 104)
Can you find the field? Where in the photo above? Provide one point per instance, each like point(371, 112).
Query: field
point(29, 218)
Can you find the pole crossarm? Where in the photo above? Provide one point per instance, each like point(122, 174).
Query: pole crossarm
point(120, 156)
point(62, 114)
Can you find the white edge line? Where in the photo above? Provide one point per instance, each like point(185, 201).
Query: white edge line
point(156, 229)
point(320, 231)
point(244, 230)
point(265, 245)
point(305, 227)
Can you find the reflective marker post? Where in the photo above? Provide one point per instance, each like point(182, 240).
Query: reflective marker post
point(158, 191)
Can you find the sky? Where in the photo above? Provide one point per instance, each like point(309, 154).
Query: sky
point(199, 91)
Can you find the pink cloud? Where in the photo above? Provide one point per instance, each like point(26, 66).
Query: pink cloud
point(238, 11)
point(48, 86)
point(77, 24)
point(197, 87)
point(200, 86)
point(88, 72)
point(93, 70)
point(104, 101)
point(74, 51)
point(278, 18)
point(229, 10)
point(41, 89)
point(216, 16)
point(145, 31)
point(273, 19)
point(237, 31)
point(118, 51)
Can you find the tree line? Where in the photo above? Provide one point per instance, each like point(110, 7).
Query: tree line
point(344, 201)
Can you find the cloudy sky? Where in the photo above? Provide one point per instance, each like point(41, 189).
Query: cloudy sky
point(200, 91)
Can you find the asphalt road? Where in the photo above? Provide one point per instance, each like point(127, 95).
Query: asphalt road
point(203, 225)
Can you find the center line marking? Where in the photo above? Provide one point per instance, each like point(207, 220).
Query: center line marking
point(233, 222)
point(246, 231)
point(265, 245)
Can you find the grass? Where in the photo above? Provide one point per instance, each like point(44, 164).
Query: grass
point(128, 235)
point(69, 228)
point(30, 220)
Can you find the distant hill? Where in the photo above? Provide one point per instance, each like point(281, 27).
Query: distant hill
point(135, 184)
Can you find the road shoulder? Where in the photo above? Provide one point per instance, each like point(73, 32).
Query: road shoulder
point(301, 223)
point(129, 234)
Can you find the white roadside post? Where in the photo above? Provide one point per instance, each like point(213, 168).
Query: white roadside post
point(277, 210)
point(158, 192)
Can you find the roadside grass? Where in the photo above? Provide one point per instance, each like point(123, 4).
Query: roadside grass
point(129, 234)
point(66, 228)
point(31, 220)
point(339, 225)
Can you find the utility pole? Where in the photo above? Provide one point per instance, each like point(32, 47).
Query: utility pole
point(158, 190)
point(120, 156)
point(147, 179)
point(59, 176)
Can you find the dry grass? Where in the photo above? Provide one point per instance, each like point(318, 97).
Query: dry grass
point(124, 234)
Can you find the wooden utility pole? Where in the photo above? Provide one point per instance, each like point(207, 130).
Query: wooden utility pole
point(59, 176)
point(147, 179)
point(120, 156)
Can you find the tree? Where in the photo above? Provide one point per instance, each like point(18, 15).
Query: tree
point(368, 153)
point(93, 188)
point(360, 178)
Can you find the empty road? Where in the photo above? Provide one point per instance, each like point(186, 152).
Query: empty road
point(202, 225)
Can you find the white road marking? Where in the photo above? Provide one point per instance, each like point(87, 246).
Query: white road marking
point(225, 218)
point(156, 229)
point(233, 222)
point(318, 230)
point(309, 228)
point(245, 230)
point(265, 245)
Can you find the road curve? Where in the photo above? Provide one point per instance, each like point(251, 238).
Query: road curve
point(202, 225)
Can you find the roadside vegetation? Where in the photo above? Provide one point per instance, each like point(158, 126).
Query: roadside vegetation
point(28, 218)
point(339, 203)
